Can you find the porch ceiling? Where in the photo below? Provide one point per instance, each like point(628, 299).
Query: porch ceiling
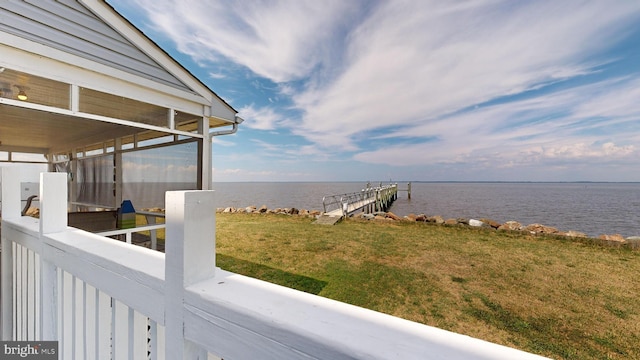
point(27, 130)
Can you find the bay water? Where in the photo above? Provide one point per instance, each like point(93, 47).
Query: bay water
point(592, 208)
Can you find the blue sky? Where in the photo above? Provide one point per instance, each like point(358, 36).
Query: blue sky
point(418, 90)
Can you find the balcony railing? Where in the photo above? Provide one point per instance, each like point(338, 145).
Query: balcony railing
point(106, 299)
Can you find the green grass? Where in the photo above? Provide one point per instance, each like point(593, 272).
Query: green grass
point(551, 296)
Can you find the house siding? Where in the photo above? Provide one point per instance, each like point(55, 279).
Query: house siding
point(68, 26)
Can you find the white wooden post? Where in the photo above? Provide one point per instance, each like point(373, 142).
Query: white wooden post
point(153, 234)
point(53, 218)
point(10, 210)
point(204, 155)
point(53, 202)
point(189, 258)
point(11, 207)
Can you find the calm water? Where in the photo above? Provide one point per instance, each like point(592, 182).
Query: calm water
point(592, 208)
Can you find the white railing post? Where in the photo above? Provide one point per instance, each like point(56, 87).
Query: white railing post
point(189, 258)
point(53, 218)
point(10, 193)
point(53, 202)
point(10, 210)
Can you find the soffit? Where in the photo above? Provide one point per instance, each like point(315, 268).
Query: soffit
point(43, 122)
point(39, 130)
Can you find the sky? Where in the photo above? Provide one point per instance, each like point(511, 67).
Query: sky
point(414, 90)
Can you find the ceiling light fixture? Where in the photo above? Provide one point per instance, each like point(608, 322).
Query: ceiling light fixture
point(22, 95)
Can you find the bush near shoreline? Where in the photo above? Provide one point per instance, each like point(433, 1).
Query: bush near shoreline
point(615, 240)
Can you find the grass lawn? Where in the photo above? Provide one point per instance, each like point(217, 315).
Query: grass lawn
point(554, 297)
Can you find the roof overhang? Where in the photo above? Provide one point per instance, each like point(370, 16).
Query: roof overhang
point(71, 107)
point(74, 101)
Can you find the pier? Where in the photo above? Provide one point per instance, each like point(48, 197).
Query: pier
point(370, 199)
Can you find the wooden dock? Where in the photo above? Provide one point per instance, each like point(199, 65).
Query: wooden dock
point(370, 200)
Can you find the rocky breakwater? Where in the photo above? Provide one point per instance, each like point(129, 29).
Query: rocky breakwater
point(265, 210)
point(532, 229)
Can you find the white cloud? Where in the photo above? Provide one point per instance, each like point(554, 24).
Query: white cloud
point(279, 40)
point(227, 171)
point(412, 61)
point(424, 155)
point(263, 118)
point(283, 152)
point(566, 125)
point(240, 174)
point(582, 150)
point(433, 82)
point(620, 100)
point(217, 76)
point(403, 62)
point(223, 141)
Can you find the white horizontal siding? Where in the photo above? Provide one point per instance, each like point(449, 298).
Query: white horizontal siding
point(72, 28)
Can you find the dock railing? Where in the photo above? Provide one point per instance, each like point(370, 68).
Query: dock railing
point(106, 299)
point(333, 203)
point(370, 199)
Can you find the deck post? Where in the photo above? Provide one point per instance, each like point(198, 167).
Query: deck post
point(11, 207)
point(204, 156)
point(53, 202)
point(53, 218)
point(189, 258)
point(10, 210)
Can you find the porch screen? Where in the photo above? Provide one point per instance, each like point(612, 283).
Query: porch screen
point(95, 181)
point(148, 174)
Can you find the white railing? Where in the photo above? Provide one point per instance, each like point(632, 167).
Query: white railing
point(107, 299)
point(369, 199)
point(128, 233)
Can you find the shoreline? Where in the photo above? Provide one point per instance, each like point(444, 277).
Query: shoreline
point(615, 239)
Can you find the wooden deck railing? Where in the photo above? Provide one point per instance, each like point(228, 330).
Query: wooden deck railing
point(106, 299)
